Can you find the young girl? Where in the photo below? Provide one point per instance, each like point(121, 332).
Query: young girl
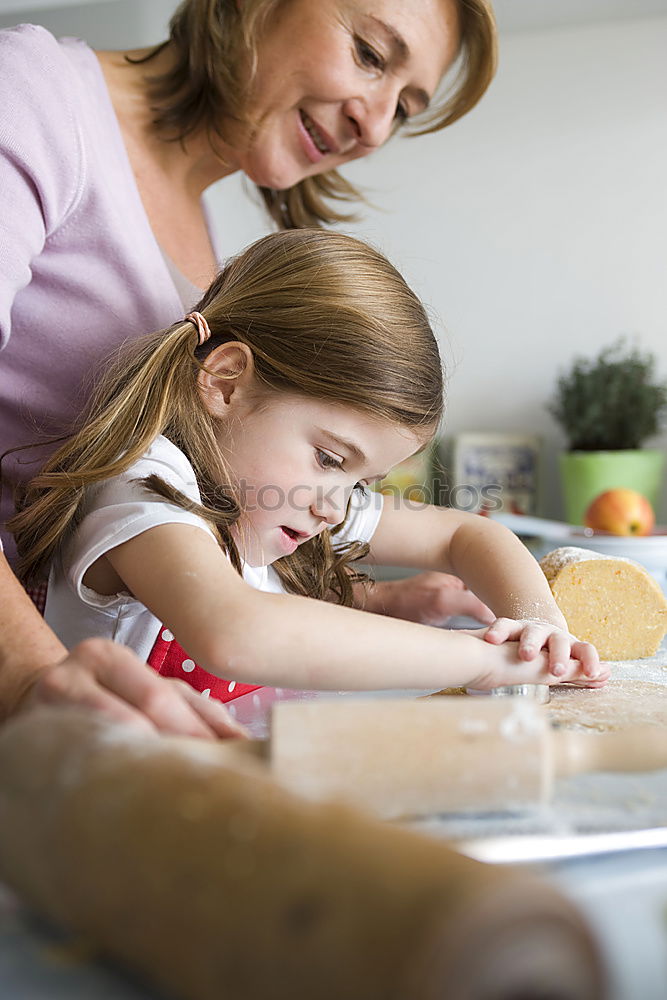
point(220, 486)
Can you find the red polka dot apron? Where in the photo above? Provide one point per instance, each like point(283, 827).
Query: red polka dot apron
point(170, 660)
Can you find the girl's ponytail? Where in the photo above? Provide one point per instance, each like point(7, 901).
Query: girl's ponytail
point(149, 389)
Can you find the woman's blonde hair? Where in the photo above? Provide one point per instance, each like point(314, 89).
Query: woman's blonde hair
point(214, 46)
point(325, 316)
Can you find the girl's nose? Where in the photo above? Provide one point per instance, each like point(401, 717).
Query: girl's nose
point(372, 117)
point(329, 505)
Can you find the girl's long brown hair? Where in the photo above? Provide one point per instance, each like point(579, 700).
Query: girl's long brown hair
point(325, 316)
point(214, 48)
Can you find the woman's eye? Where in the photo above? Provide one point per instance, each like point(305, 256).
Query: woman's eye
point(368, 55)
point(327, 461)
point(401, 114)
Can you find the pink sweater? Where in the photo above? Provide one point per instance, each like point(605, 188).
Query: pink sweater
point(80, 269)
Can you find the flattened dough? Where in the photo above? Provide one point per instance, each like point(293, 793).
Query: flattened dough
point(618, 705)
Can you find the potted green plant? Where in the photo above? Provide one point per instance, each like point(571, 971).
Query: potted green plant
point(608, 406)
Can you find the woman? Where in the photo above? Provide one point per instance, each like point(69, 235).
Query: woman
point(104, 158)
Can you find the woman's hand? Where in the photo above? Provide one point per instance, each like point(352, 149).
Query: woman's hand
point(533, 636)
point(503, 663)
point(428, 598)
point(107, 677)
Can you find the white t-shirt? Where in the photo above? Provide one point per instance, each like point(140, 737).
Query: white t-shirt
point(120, 509)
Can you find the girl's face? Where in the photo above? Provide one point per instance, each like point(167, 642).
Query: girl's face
point(335, 76)
point(297, 461)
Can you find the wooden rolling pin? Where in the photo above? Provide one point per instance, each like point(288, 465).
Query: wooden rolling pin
point(400, 757)
point(214, 881)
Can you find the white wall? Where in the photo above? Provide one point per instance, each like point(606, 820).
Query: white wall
point(536, 228)
point(103, 23)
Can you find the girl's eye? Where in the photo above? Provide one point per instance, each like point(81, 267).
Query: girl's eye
point(369, 56)
point(327, 461)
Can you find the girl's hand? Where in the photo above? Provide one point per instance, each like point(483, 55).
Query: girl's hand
point(534, 636)
point(429, 598)
point(503, 665)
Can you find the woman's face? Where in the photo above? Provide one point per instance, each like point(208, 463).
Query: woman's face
point(334, 78)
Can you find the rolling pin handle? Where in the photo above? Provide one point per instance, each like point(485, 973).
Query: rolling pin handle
point(635, 749)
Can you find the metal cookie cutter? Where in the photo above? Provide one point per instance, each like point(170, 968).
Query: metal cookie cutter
point(539, 693)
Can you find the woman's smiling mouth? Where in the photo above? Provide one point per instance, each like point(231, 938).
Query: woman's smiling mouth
point(320, 142)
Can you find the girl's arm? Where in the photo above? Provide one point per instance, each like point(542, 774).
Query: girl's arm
point(35, 668)
point(487, 556)
point(496, 566)
point(429, 598)
point(179, 572)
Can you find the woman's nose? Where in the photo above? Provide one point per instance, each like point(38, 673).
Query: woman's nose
point(372, 117)
point(329, 505)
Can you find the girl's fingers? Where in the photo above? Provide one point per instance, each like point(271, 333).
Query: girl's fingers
point(502, 630)
point(569, 659)
point(507, 667)
point(589, 658)
point(599, 680)
point(560, 651)
point(594, 674)
point(478, 633)
point(532, 640)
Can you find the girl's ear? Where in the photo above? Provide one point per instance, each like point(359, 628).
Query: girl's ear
point(227, 376)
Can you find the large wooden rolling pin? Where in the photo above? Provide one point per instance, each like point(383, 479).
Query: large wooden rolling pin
point(213, 881)
point(400, 757)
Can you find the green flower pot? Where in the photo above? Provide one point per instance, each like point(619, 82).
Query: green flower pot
point(585, 474)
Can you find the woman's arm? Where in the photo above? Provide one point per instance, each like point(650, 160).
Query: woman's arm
point(35, 668)
point(180, 573)
point(26, 642)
